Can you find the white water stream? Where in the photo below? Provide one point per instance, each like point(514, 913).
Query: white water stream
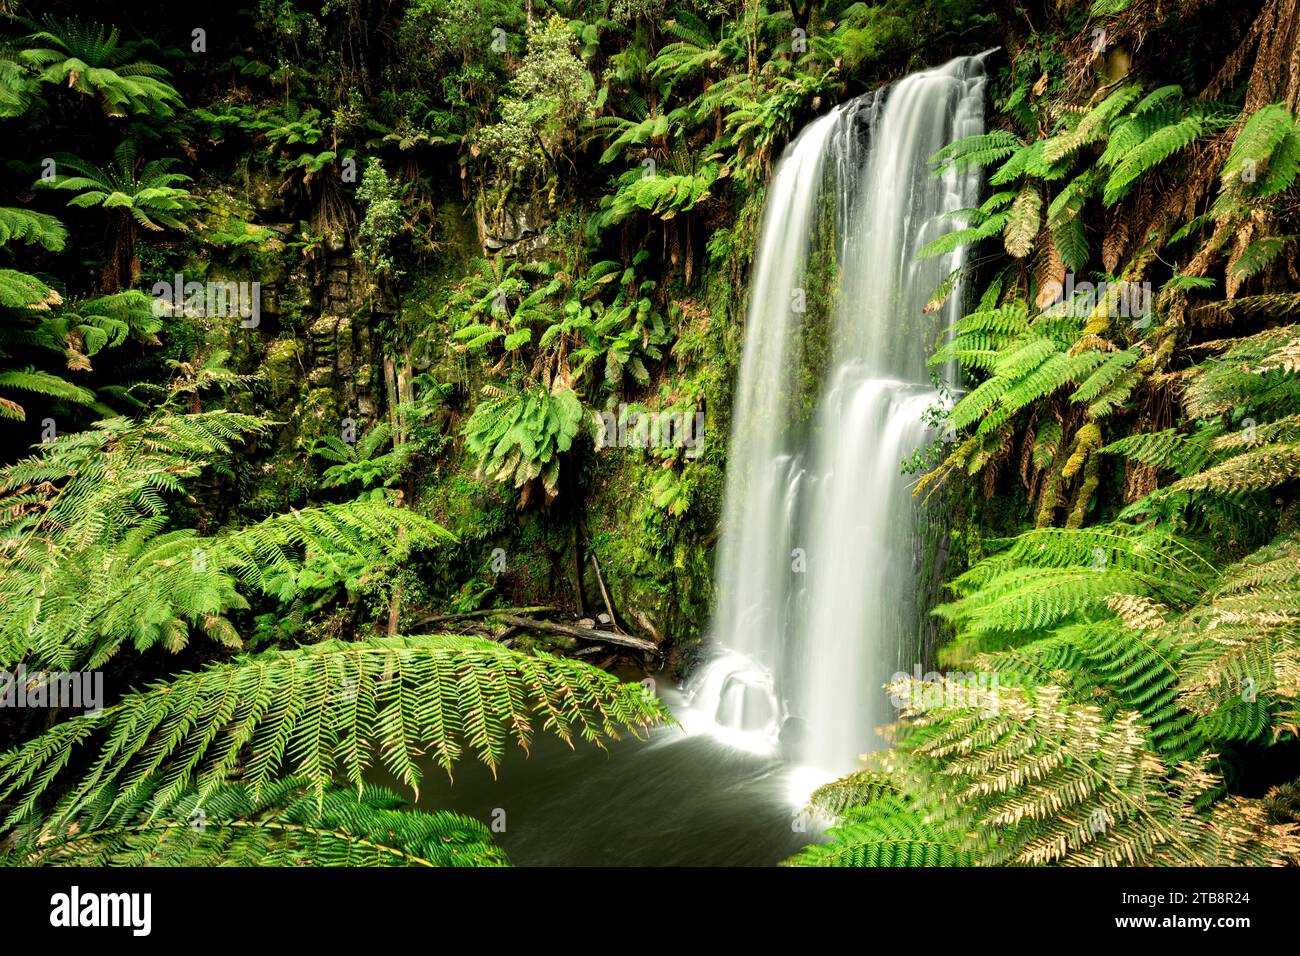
point(819, 557)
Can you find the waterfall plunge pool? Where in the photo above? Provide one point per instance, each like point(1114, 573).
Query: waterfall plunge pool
point(678, 798)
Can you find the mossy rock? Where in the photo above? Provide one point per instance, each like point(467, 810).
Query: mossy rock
point(280, 366)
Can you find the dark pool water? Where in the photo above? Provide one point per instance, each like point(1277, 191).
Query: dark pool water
point(672, 800)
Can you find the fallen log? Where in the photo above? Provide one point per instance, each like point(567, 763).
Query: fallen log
point(487, 612)
point(647, 625)
point(582, 633)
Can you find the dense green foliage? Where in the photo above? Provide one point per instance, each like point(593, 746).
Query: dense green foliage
point(1143, 631)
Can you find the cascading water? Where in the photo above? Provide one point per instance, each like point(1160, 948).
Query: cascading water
point(762, 477)
point(818, 562)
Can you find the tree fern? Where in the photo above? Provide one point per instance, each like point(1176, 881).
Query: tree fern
point(93, 60)
point(1048, 576)
point(361, 461)
point(148, 191)
point(1060, 784)
point(1092, 126)
point(520, 437)
point(89, 562)
point(978, 151)
point(1023, 221)
point(288, 823)
point(18, 290)
point(857, 789)
point(327, 710)
point(1244, 646)
point(1267, 148)
point(885, 832)
point(77, 330)
point(1122, 663)
point(1151, 152)
point(26, 225)
point(1112, 368)
point(1255, 470)
point(985, 226)
point(36, 382)
point(1168, 449)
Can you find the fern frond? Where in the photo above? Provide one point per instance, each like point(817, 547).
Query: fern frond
point(26, 225)
point(88, 565)
point(886, 832)
point(288, 824)
point(858, 788)
point(1062, 784)
point(327, 710)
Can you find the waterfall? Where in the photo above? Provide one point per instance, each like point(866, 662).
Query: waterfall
point(818, 562)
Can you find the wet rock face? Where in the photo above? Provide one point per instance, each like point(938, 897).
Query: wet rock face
point(513, 229)
point(339, 342)
point(313, 348)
